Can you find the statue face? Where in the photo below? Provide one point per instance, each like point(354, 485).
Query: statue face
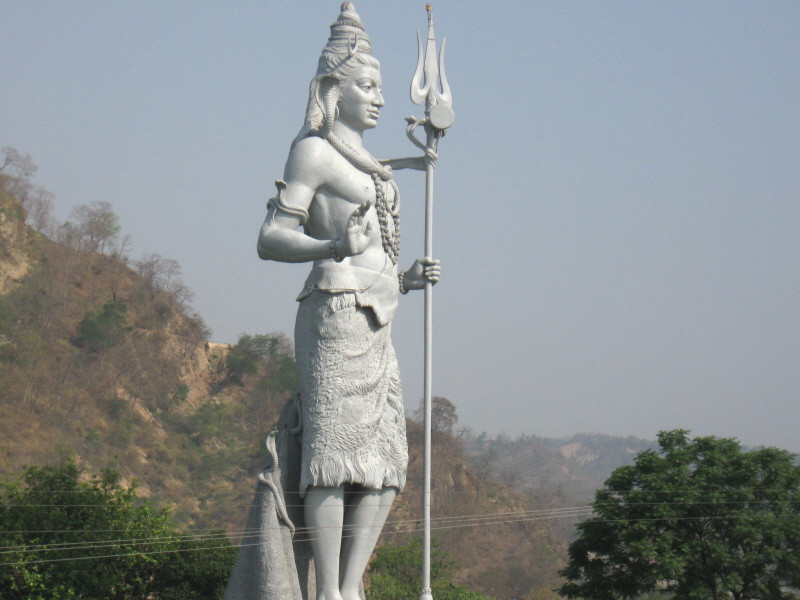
point(360, 100)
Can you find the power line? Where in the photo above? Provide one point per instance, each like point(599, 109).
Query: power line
point(133, 554)
point(566, 511)
point(558, 510)
point(449, 492)
point(469, 520)
point(456, 526)
point(627, 503)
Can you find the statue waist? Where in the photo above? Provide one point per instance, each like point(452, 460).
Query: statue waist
point(374, 289)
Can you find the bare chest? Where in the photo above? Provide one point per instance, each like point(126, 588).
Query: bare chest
point(349, 185)
point(344, 190)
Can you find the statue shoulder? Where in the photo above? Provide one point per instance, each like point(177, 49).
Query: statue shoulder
point(312, 151)
point(310, 162)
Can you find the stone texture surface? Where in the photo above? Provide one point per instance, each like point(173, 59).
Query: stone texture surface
point(272, 565)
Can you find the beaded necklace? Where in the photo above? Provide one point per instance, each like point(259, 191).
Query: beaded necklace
point(387, 205)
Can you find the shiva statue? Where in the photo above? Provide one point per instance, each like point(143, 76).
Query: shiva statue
point(339, 208)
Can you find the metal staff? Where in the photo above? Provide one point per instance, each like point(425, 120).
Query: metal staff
point(425, 86)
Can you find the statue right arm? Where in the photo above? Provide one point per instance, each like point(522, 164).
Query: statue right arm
point(305, 172)
point(279, 238)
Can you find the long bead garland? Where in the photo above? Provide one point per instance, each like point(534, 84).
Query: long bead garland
point(386, 207)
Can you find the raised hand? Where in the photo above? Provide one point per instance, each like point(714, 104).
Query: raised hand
point(356, 237)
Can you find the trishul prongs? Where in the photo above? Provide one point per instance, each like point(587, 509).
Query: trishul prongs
point(430, 84)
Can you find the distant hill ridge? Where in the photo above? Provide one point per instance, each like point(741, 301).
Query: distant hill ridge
point(575, 465)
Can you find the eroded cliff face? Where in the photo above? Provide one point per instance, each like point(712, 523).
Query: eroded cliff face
point(14, 262)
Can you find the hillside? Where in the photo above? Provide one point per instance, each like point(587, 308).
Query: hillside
point(103, 360)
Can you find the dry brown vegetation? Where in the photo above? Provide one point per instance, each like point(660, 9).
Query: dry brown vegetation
point(102, 360)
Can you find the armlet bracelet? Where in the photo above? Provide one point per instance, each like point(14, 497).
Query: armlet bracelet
point(400, 276)
point(335, 256)
point(279, 202)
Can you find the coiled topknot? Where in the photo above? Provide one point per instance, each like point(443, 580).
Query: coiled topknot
point(348, 48)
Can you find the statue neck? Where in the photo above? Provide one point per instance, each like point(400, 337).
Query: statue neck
point(352, 137)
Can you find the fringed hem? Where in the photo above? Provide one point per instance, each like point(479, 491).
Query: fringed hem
point(373, 473)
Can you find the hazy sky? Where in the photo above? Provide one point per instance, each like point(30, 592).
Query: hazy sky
point(617, 208)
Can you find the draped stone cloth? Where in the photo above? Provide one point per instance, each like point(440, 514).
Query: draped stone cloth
point(275, 559)
point(350, 394)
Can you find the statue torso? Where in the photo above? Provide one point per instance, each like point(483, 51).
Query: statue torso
point(343, 189)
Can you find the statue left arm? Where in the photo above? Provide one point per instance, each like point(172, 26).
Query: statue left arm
point(412, 162)
point(422, 271)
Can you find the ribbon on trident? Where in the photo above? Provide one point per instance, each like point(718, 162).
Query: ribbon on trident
point(429, 85)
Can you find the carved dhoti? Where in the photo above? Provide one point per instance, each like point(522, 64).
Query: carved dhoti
point(354, 427)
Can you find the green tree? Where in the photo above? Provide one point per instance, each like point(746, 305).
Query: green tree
point(65, 535)
point(395, 574)
point(700, 520)
point(199, 569)
point(272, 352)
point(443, 414)
point(103, 329)
point(241, 361)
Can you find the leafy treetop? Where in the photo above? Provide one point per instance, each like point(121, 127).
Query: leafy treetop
point(701, 520)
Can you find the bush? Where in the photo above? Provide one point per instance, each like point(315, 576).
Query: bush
point(67, 537)
point(395, 574)
point(104, 328)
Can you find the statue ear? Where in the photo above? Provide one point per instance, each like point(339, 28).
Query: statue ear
point(328, 96)
point(328, 86)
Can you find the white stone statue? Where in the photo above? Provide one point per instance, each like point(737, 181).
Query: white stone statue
point(354, 449)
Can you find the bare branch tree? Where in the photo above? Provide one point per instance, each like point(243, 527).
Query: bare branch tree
point(97, 224)
point(16, 164)
point(122, 249)
point(511, 478)
point(163, 276)
point(39, 207)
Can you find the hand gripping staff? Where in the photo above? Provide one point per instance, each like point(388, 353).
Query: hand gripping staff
point(425, 86)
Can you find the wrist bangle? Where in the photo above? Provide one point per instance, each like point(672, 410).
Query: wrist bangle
point(334, 255)
point(400, 276)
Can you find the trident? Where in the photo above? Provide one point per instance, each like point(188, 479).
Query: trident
point(439, 115)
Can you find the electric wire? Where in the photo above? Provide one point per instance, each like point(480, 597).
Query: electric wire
point(457, 492)
point(475, 518)
point(189, 537)
point(627, 503)
point(457, 526)
point(223, 504)
point(134, 554)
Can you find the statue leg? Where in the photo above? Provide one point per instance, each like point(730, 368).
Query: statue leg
point(364, 517)
point(324, 512)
